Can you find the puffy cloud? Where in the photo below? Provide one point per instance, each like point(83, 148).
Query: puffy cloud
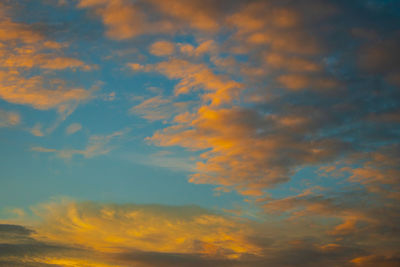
point(28, 56)
point(162, 48)
point(244, 151)
point(194, 76)
point(29, 91)
point(126, 19)
point(285, 86)
point(208, 46)
point(288, 104)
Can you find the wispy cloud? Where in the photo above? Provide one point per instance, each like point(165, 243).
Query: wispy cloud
point(28, 60)
point(97, 145)
point(101, 234)
point(73, 128)
point(9, 118)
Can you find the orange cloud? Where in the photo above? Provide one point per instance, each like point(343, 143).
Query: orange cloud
point(17, 32)
point(148, 228)
point(193, 76)
point(201, 15)
point(204, 47)
point(126, 19)
point(239, 154)
point(30, 91)
point(162, 48)
point(263, 23)
point(23, 49)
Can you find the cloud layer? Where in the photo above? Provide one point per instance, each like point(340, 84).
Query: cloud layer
point(292, 106)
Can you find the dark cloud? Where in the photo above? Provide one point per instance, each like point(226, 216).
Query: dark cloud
point(12, 229)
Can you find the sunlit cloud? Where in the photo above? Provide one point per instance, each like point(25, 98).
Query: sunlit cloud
point(125, 19)
point(162, 48)
point(287, 110)
point(99, 234)
point(23, 51)
point(119, 228)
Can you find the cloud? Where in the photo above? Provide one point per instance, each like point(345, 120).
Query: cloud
point(207, 46)
point(291, 63)
point(151, 228)
point(298, 82)
point(100, 234)
point(30, 91)
point(97, 145)
point(246, 151)
point(155, 108)
point(73, 128)
point(275, 96)
point(164, 159)
point(379, 56)
point(122, 19)
point(125, 19)
point(262, 90)
point(343, 213)
point(29, 60)
point(72, 233)
point(37, 130)
point(196, 77)
point(8, 118)
point(162, 48)
point(159, 108)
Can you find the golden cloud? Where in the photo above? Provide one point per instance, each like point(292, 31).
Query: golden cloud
point(24, 49)
point(147, 228)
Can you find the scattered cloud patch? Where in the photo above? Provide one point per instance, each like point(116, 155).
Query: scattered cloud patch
point(73, 128)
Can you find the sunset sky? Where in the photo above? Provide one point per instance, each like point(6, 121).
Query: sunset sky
point(200, 133)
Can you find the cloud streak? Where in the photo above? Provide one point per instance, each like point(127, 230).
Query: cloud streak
point(97, 145)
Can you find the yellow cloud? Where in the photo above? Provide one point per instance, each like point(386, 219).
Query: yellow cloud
point(148, 228)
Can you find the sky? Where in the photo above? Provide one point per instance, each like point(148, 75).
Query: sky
point(199, 133)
